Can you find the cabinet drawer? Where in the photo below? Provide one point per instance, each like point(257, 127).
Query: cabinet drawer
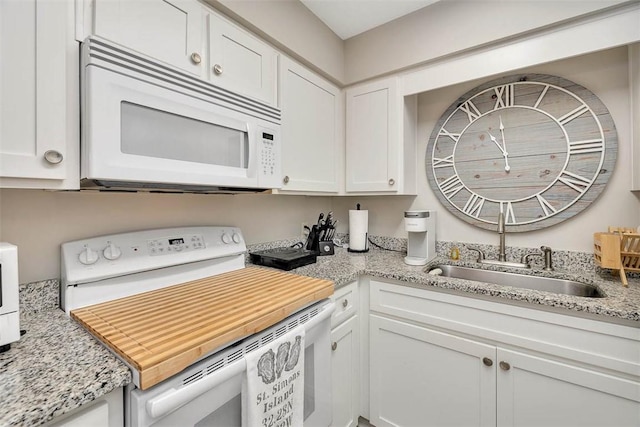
point(347, 301)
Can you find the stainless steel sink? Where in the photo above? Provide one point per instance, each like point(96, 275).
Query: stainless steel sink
point(547, 284)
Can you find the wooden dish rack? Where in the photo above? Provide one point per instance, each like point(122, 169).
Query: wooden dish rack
point(618, 249)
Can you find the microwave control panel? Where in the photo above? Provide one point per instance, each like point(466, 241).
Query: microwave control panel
point(269, 165)
point(268, 154)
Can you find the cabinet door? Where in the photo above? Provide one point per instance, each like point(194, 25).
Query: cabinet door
point(344, 373)
point(539, 392)
point(311, 130)
point(372, 129)
point(240, 62)
point(38, 94)
point(168, 30)
point(421, 377)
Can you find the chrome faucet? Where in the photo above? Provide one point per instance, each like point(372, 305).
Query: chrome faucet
point(502, 256)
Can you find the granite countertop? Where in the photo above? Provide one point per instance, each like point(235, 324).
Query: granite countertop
point(57, 366)
point(621, 305)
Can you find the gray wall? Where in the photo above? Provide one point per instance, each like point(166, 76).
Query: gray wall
point(39, 221)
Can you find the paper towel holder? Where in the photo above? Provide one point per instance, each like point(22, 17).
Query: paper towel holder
point(359, 217)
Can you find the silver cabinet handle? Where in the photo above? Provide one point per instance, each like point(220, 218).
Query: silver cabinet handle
point(286, 179)
point(345, 303)
point(505, 366)
point(54, 157)
point(392, 181)
point(195, 58)
point(217, 69)
point(334, 346)
point(487, 361)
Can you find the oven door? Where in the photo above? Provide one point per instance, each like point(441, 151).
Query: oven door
point(195, 398)
point(139, 132)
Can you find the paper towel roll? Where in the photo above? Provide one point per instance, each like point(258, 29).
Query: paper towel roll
point(358, 230)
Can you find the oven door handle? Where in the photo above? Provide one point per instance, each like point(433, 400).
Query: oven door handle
point(172, 399)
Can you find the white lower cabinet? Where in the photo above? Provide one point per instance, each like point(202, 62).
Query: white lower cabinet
point(344, 373)
point(535, 391)
point(345, 357)
point(438, 359)
point(421, 377)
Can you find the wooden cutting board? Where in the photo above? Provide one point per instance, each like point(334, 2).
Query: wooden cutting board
point(162, 332)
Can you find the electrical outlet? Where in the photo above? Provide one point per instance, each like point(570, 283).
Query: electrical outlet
point(304, 230)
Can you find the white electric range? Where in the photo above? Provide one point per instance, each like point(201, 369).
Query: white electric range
point(208, 392)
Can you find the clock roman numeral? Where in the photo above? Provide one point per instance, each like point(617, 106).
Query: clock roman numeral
point(576, 112)
point(443, 163)
point(544, 92)
point(577, 182)
point(546, 206)
point(473, 205)
point(454, 136)
point(505, 96)
point(586, 146)
point(509, 217)
point(471, 110)
point(451, 186)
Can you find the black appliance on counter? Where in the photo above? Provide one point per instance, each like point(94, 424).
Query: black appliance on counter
point(283, 258)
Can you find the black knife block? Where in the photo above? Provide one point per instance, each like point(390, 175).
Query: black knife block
point(318, 246)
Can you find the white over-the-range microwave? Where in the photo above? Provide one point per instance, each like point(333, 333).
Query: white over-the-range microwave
point(149, 126)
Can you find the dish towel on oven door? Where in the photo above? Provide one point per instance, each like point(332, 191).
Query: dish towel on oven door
point(273, 388)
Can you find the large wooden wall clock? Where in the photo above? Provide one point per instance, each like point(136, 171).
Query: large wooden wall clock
point(537, 147)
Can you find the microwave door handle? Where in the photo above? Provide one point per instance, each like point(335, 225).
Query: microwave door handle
point(254, 148)
point(173, 398)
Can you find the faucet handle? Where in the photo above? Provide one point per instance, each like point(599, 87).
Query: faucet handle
point(481, 254)
point(525, 258)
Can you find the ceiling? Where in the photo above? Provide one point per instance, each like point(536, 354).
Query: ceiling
point(348, 18)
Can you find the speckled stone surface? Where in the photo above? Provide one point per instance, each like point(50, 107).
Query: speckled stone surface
point(620, 304)
point(56, 366)
point(39, 296)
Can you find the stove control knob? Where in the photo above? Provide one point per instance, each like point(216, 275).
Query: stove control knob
point(236, 237)
point(88, 256)
point(112, 252)
point(226, 238)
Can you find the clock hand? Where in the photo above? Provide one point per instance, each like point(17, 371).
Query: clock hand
point(504, 147)
point(495, 141)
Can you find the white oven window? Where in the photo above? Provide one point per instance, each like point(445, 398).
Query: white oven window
point(154, 133)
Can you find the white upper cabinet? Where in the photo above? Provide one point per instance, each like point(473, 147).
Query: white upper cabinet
point(169, 30)
point(240, 62)
point(39, 116)
point(381, 144)
point(312, 131)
